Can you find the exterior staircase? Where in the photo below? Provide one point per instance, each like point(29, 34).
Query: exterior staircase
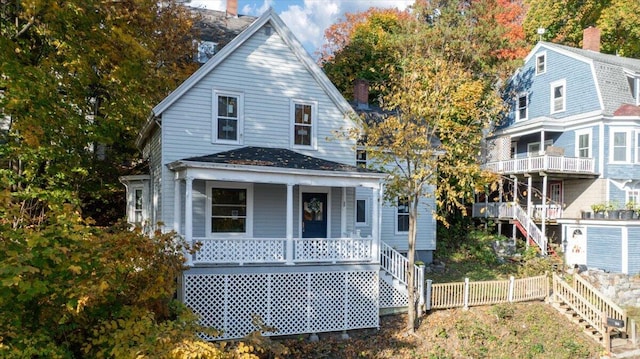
point(394, 280)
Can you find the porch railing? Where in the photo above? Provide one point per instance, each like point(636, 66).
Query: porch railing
point(543, 163)
point(394, 263)
point(274, 250)
point(504, 210)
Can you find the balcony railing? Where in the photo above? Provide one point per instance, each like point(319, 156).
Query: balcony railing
point(274, 250)
point(548, 163)
point(506, 210)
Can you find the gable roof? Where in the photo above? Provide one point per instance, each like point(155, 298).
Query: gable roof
point(281, 29)
point(610, 73)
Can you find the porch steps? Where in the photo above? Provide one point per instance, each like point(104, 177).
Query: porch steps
point(550, 249)
point(572, 316)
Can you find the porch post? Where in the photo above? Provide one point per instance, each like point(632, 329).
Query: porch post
point(375, 226)
point(343, 213)
point(176, 204)
point(529, 189)
point(289, 225)
point(542, 149)
point(544, 213)
point(188, 216)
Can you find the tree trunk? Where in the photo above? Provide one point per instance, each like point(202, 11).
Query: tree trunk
point(411, 256)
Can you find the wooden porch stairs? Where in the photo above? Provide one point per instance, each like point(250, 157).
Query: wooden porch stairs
point(530, 240)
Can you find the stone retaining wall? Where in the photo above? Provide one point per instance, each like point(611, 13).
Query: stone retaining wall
point(623, 289)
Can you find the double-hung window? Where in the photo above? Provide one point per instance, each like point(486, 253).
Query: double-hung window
point(230, 209)
point(541, 63)
point(361, 158)
point(227, 122)
point(637, 147)
point(583, 144)
point(361, 212)
point(304, 123)
point(521, 107)
point(402, 215)
point(619, 146)
point(558, 96)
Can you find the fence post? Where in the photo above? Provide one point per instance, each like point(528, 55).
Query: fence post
point(466, 293)
point(511, 283)
point(421, 270)
point(428, 295)
point(634, 335)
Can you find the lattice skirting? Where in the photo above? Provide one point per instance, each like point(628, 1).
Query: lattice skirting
point(392, 295)
point(294, 303)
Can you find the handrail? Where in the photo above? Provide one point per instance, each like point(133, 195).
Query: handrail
point(394, 263)
point(543, 163)
point(532, 229)
point(605, 305)
point(587, 311)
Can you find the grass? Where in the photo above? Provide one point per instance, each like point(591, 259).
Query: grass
point(523, 330)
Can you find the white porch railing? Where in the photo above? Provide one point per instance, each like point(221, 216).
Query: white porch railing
point(396, 265)
point(273, 250)
point(503, 210)
point(543, 163)
point(531, 228)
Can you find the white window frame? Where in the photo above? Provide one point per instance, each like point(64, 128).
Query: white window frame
point(635, 90)
point(131, 202)
point(612, 133)
point(360, 163)
point(547, 143)
point(637, 145)
point(542, 55)
point(526, 106)
point(397, 214)
point(366, 212)
point(240, 125)
point(249, 218)
point(579, 133)
point(632, 195)
point(561, 83)
point(314, 123)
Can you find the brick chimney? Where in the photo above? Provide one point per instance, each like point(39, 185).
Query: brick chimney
point(232, 8)
point(361, 93)
point(591, 39)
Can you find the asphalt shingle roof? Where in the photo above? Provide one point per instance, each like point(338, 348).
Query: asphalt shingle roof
point(276, 157)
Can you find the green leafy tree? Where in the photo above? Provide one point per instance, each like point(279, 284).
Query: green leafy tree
point(620, 27)
point(77, 80)
point(438, 109)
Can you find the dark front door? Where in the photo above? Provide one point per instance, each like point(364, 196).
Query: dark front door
point(314, 215)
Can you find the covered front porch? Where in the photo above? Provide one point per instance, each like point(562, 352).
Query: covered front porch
point(274, 207)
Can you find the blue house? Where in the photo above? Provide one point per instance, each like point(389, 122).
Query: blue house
point(244, 160)
point(571, 144)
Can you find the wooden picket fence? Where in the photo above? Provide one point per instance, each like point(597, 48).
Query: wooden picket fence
point(466, 294)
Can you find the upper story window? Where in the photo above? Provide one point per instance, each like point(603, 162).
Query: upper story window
point(522, 107)
point(227, 121)
point(304, 124)
point(583, 144)
point(619, 146)
point(361, 158)
point(558, 96)
point(634, 87)
point(533, 148)
point(230, 209)
point(638, 147)
point(541, 63)
point(402, 215)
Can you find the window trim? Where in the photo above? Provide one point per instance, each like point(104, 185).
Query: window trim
point(526, 106)
point(249, 229)
point(552, 87)
point(314, 123)
point(214, 125)
point(579, 133)
point(131, 202)
point(637, 146)
point(626, 132)
point(366, 212)
point(360, 163)
point(542, 55)
point(541, 150)
point(397, 214)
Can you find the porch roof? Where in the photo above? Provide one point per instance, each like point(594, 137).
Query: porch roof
point(265, 164)
point(276, 157)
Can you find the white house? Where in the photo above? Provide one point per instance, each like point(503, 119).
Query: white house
point(244, 159)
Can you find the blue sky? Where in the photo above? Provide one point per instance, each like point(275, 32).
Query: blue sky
point(307, 19)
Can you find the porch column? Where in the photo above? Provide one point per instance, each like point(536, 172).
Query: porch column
point(176, 204)
point(289, 225)
point(542, 150)
point(544, 213)
point(515, 203)
point(375, 225)
point(529, 190)
point(343, 213)
point(188, 216)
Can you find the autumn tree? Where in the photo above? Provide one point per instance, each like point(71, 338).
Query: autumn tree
point(438, 108)
point(619, 23)
point(77, 80)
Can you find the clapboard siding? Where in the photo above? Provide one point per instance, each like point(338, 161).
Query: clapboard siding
point(634, 250)
point(269, 211)
point(604, 248)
